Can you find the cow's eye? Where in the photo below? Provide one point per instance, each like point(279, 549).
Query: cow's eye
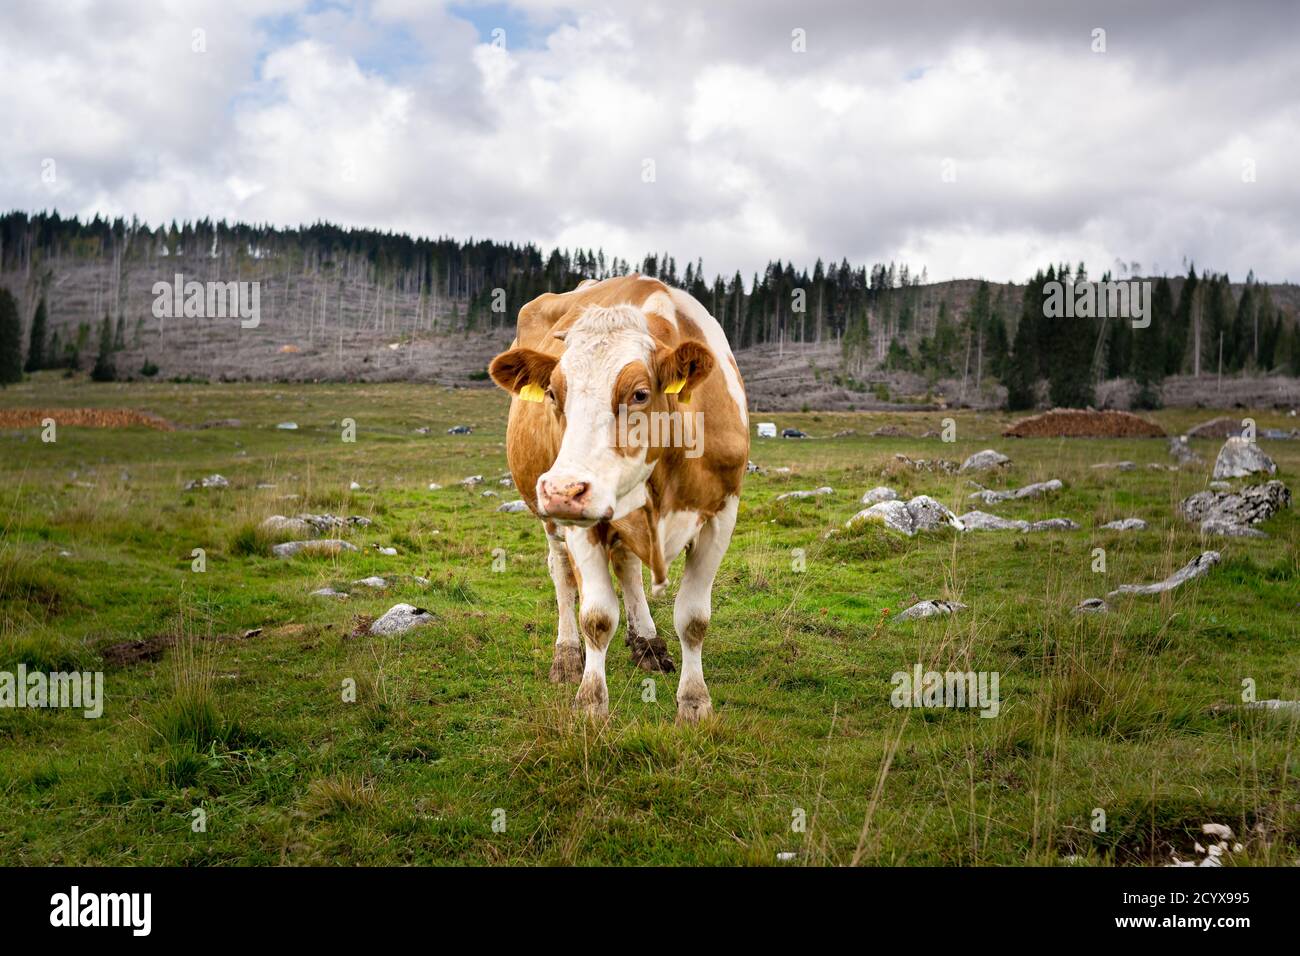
point(550, 394)
point(641, 396)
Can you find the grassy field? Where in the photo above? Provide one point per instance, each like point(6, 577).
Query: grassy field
point(457, 749)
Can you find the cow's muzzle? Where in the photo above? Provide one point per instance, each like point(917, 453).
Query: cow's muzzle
point(569, 500)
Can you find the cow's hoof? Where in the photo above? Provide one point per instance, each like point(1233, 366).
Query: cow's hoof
point(692, 710)
point(567, 664)
point(650, 654)
point(592, 700)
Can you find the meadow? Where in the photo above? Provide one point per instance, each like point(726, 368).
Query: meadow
point(228, 737)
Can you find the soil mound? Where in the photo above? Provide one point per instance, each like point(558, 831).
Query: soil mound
point(1084, 423)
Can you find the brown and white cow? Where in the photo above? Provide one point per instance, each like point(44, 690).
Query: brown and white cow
point(628, 435)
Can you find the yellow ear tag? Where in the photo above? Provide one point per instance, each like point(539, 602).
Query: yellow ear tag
point(674, 387)
point(532, 393)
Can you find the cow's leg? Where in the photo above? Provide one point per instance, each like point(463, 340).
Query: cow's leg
point(695, 605)
point(597, 617)
point(649, 652)
point(566, 664)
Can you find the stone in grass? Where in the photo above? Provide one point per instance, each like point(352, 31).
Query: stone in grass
point(922, 513)
point(824, 490)
point(1091, 606)
point(472, 480)
point(1180, 449)
point(1239, 458)
point(513, 507)
point(212, 481)
point(984, 460)
point(1053, 524)
point(1230, 529)
point(371, 582)
point(879, 494)
point(1289, 707)
point(1116, 465)
point(983, 521)
point(317, 547)
point(930, 609)
point(1251, 505)
point(399, 619)
point(287, 426)
point(1125, 524)
point(1036, 490)
point(387, 552)
point(1193, 569)
point(330, 593)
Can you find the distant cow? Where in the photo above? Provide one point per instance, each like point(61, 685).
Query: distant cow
point(628, 436)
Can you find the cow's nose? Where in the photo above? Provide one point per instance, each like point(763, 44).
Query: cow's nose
point(565, 498)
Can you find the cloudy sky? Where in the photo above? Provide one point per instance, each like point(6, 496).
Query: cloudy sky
point(975, 139)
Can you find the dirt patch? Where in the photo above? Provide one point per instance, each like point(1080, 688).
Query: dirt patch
point(126, 653)
point(83, 417)
point(1084, 423)
point(1216, 428)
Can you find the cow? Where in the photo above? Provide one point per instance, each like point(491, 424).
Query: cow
point(628, 437)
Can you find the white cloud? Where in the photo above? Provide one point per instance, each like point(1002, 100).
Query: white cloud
point(402, 116)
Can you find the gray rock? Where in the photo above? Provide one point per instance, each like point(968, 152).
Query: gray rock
point(1193, 569)
point(371, 582)
point(924, 464)
point(1116, 465)
point(434, 486)
point(929, 515)
point(824, 490)
point(1239, 458)
point(399, 619)
point(892, 514)
point(930, 609)
point(983, 521)
point(1220, 486)
point(1036, 490)
point(1091, 606)
point(1180, 449)
point(1053, 524)
point(287, 426)
point(489, 494)
point(1230, 529)
point(879, 493)
point(330, 592)
point(752, 469)
point(317, 546)
point(984, 460)
point(514, 507)
point(506, 482)
point(1250, 505)
point(1275, 705)
point(387, 552)
point(1125, 524)
point(313, 524)
point(472, 480)
point(212, 481)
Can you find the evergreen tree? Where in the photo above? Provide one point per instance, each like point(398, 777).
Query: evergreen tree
point(11, 339)
point(36, 357)
point(104, 370)
point(1021, 377)
point(1180, 333)
point(1149, 347)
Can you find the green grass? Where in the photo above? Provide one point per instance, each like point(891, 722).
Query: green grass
point(306, 744)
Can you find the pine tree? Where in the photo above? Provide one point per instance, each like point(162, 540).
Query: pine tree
point(104, 370)
point(11, 339)
point(36, 357)
point(1021, 377)
point(1149, 348)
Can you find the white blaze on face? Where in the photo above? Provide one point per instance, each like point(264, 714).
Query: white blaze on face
point(597, 347)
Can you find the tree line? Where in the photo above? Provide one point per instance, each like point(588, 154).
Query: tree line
point(883, 316)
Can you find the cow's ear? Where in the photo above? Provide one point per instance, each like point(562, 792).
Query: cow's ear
point(523, 372)
point(680, 370)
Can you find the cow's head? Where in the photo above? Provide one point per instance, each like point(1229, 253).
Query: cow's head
point(610, 362)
